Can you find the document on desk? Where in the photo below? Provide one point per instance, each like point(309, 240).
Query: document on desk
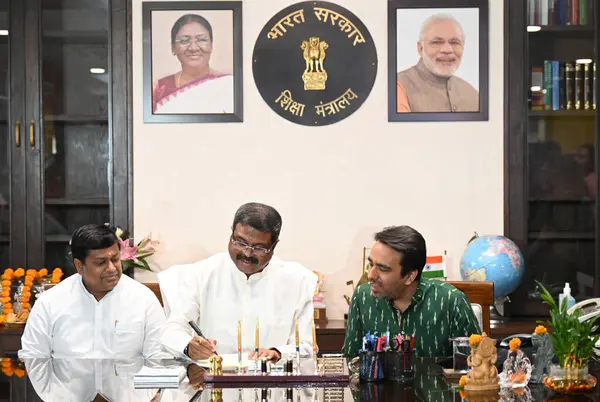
point(159, 377)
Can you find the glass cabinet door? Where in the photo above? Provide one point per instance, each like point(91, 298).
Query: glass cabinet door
point(75, 112)
point(561, 141)
point(5, 138)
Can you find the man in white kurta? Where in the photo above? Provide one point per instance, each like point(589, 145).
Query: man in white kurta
point(97, 313)
point(87, 379)
point(247, 284)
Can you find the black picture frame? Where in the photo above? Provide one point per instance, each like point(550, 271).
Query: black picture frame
point(483, 37)
point(236, 7)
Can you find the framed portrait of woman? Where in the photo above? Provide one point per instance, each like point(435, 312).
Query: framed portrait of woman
point(192, 62)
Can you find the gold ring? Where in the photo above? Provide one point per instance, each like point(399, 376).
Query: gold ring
point(200, 340)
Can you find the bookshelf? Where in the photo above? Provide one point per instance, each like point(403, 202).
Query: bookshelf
point(551, 133)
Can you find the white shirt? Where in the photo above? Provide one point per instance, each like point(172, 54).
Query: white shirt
point(83, 379)
point(68, 322)
point(215, 294)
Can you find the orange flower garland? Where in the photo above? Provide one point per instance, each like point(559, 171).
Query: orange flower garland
point(12, 367)
point(31, 276)
point(540, 330)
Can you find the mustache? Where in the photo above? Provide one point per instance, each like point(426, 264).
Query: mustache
point(251, 260)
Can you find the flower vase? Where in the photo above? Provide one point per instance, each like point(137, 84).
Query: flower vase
point(542, 357)
point(569, 380)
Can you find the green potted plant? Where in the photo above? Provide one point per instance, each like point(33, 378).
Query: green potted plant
point(573, 346)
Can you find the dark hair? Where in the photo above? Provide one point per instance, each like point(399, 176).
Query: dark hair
point(91, 237)
point(261, 217)
point(409, 243)
point(186, 19)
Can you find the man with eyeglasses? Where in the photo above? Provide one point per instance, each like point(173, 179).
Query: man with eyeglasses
point(246, 285)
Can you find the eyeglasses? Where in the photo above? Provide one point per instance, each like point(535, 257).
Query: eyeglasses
point(187, 41)
point(257, 250)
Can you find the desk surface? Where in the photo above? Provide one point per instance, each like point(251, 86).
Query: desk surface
point(83, 380)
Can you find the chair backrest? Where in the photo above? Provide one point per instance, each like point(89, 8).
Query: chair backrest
point(478, 293)
point(155, 288)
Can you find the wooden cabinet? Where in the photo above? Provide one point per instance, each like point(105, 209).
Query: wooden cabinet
point(551, 138)
point(65, 125)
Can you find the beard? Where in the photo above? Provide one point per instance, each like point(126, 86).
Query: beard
point(444, 72)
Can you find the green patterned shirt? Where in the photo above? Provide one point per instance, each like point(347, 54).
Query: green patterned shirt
point(438, 311)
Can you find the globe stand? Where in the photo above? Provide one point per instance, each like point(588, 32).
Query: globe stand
point(497, 310)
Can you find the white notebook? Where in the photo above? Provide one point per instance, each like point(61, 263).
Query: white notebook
point(159, 377)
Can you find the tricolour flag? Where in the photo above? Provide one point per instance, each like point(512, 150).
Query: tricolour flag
point(435, 267)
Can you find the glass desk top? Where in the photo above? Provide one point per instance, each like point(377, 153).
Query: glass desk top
point(112, 380)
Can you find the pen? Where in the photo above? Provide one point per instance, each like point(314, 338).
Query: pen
point(197, 330)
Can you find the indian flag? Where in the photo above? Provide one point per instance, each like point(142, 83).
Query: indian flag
point(435, 267)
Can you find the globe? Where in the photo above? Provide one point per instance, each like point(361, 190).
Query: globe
point(496, 259)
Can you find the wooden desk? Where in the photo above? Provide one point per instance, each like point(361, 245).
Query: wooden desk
point(330, 337)
point(10, 340)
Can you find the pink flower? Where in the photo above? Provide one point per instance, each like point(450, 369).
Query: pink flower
point(128, 252)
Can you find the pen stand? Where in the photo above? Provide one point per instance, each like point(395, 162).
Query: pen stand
point(398, 366)
point(371, 366)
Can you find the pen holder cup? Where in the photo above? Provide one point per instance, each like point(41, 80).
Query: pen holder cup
point(370, 366)
point(398, 366)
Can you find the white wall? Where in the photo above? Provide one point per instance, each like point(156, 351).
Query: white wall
point(334, 186)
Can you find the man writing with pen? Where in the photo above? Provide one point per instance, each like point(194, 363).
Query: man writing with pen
point(246, 288)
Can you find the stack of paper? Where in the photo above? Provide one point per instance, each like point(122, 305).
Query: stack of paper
point(159, 377)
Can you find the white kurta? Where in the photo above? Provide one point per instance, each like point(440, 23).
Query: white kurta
point(68, 322)
point(215, 294)
point(83, 379)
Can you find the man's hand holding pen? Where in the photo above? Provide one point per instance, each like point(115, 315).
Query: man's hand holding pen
point(201, 348)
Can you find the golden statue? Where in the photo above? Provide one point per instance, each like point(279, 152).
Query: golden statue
point(216, 365)
point(314, 76)
point(483, 375)
point(216, 395)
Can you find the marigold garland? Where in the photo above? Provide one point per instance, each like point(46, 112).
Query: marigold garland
point(12, 367)
point(30, 278)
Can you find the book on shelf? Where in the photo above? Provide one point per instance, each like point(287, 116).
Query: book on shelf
point(563, 86)
point(560, 12)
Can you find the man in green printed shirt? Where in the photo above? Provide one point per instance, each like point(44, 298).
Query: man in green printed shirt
point(398, 299)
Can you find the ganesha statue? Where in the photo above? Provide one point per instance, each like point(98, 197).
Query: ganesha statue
point(483, 375)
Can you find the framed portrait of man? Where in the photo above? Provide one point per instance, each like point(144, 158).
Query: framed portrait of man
point(192, 62)
point(438, 60)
